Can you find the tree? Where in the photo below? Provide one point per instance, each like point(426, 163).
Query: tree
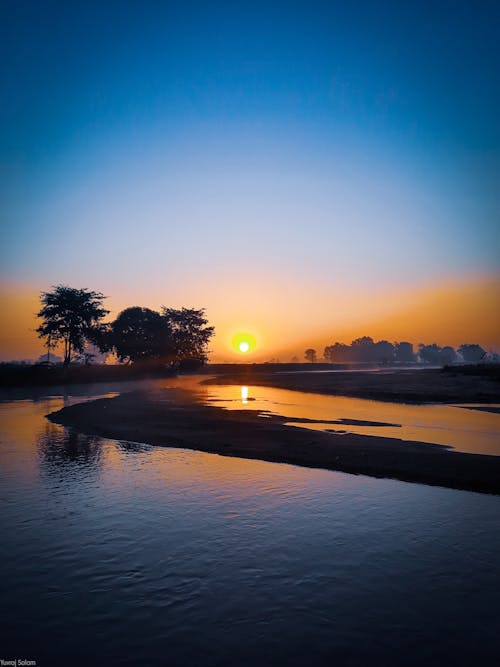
point(471, 353)
point(363, 349)
point(404, 352)
point(328, 353)
point(434, 354)
point(383, 351)
point(430, 354)
point(338, 352)
point(447, 355)
point(69, 316)
point(492, 357)
point(190, 333)
point(139, 334)
point(310, 355)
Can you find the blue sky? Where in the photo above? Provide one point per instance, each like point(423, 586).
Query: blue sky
point(148, 146)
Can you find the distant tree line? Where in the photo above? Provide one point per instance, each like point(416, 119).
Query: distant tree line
point(73, 318)
point(365, 349)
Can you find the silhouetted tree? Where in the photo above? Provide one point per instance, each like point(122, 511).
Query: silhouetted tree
point(383, 351)
point(189, 331)
point(403, 352)
point(69, 316)
point(447, 355)
point(471, 353)
point(310, 355)
point(430, 354)
point(363, 349)
point(339, 352)
point(139, 334)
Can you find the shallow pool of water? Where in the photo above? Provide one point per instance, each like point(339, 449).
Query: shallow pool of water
point(117, 553)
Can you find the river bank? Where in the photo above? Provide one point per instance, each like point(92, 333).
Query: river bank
point(423, 385)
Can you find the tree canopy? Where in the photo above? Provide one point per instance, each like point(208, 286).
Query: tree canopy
point(434, 354)
point(172, 336)
point(364, 349)
point(74, 317)
point(69, 316)
point(189, 331)
point(472, 353)
point(139, 333)
point(310, 355)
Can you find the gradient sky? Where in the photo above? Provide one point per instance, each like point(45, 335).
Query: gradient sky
point(307, 171)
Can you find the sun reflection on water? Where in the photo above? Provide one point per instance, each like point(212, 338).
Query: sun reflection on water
point(454, 426)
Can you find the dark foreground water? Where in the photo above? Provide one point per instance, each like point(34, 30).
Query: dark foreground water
point(124, 554)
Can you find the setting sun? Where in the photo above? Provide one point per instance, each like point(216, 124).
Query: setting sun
point(243, 343)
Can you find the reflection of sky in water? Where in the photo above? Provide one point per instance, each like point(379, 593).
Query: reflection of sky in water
point(464, 429)
point(195, 558)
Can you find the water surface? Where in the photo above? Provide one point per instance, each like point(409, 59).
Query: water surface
point(463, 429)
point(117, 553)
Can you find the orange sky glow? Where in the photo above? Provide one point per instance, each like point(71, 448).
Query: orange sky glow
point(285, 315)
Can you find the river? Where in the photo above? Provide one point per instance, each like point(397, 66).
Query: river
point(117, 553)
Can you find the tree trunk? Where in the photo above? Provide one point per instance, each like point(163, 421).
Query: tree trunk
point(67, 352)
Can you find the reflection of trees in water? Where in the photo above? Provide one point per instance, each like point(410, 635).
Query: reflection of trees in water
point(60, 446)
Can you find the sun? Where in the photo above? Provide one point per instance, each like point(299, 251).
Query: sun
point(243, 343)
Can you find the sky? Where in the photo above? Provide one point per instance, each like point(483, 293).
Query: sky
point(305, 171)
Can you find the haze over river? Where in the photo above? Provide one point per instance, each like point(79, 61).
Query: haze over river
point(124, 553)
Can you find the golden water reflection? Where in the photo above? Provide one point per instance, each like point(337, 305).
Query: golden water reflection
point(464, 429)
